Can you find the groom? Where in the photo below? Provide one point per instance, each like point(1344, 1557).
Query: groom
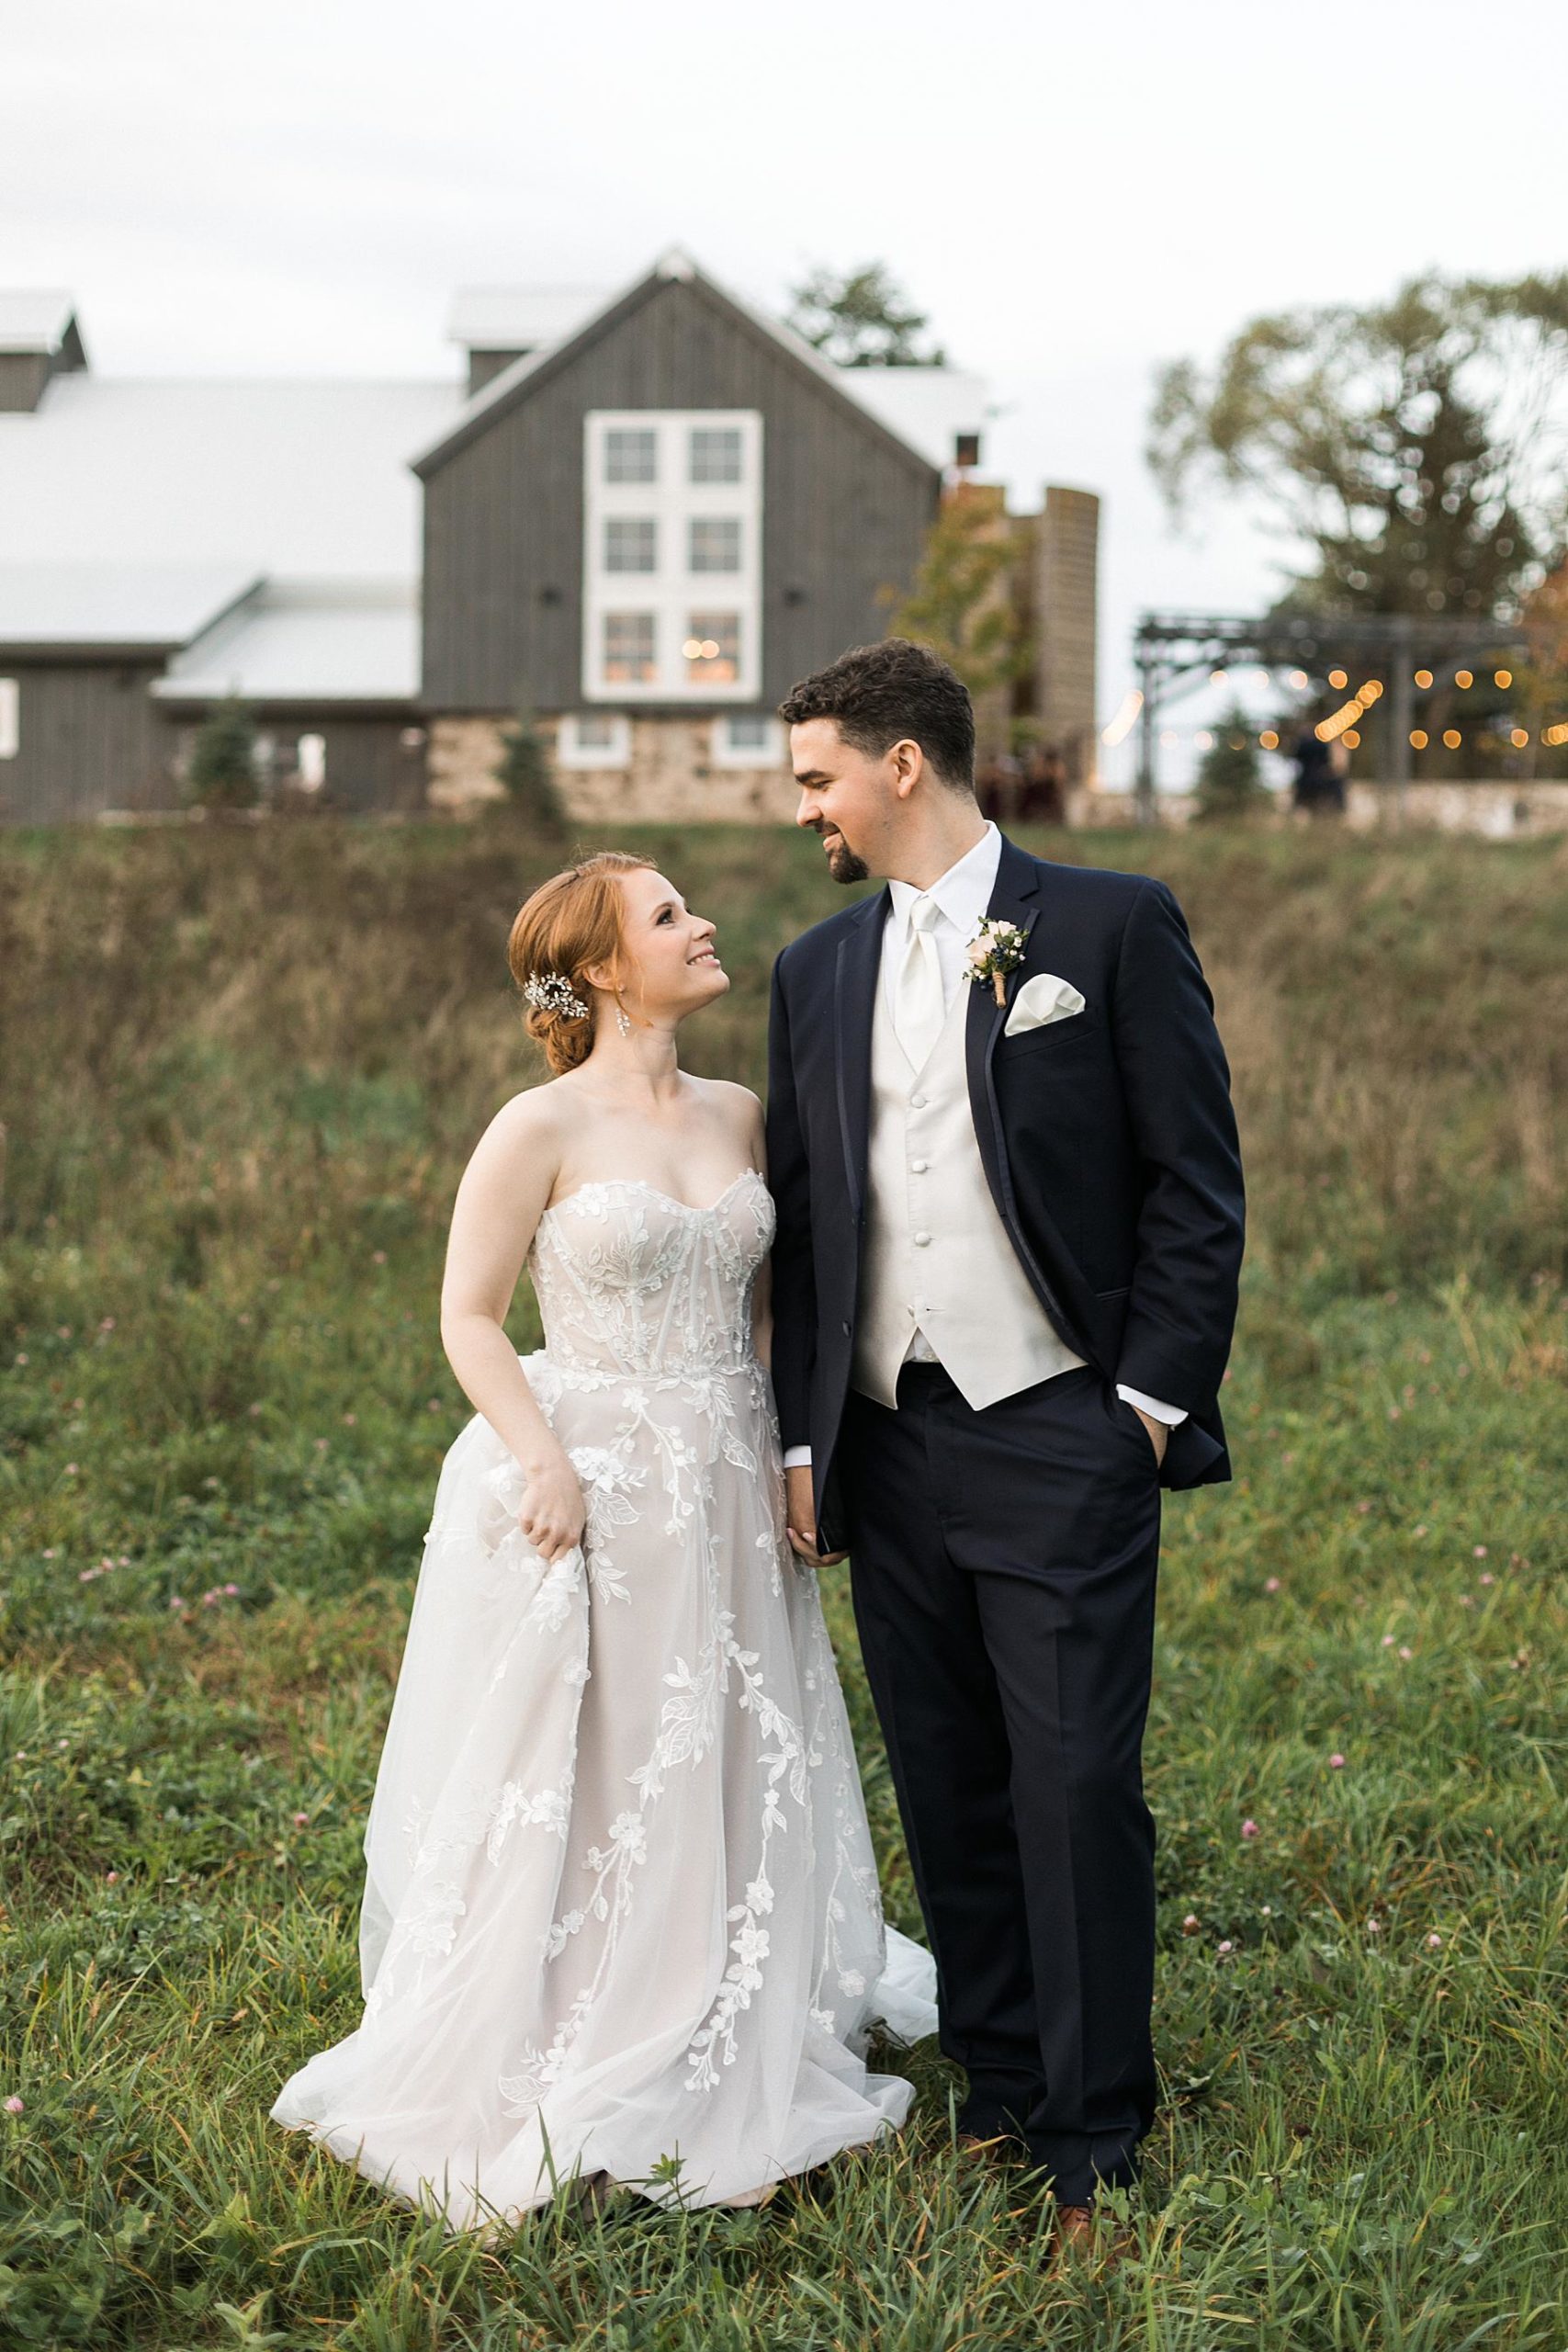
point(1005, 1283)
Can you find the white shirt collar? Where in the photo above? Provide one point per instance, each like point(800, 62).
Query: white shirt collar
point(964, 892)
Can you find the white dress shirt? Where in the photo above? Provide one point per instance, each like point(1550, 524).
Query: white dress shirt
point(963, 894)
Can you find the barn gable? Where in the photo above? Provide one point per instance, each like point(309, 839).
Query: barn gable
point(845, 500)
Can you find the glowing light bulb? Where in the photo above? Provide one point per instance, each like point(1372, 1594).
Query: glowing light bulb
point(1423, 677)
point(1502, 677)
point(1269, 741)
point(1337, 678)
point(1519, 737)
point(1121, 726)
point(1417, 739)
point(1452, 737)
point(1464, 677)
point(1219, 677)
point(1299, 679)
point(1351, 739)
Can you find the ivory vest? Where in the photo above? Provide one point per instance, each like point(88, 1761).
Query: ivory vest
point(939, 1276)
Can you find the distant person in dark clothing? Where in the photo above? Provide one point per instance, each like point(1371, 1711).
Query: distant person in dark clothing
point(1043, 794)
point(1320, 780)
point(991, 788)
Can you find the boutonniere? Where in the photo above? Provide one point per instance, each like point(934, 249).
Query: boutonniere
point(996, 950)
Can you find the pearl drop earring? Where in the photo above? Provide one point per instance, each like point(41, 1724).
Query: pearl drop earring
point(622, 1024)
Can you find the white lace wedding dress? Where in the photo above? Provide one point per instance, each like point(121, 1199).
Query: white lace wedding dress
point(620, 1909)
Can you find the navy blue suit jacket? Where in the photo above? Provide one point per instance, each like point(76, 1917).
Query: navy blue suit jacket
point(1108, 1139)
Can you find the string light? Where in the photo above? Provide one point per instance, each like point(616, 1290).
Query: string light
point(1299, 679)
point(1423, 678)
point(1502, 677)
point(1338, 679)
point(1336, 722)
point(1417, 739)
point(1464, 678)
point(1219, 677)
point(1452, 737)
point(1204, 740)
point(1121, 727)
point(1371, 692)
point(1557, 734)
point(1351, 739)
point(1519, 737)
point(1269, 741)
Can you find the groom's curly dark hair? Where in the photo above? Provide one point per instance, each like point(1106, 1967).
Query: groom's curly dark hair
point(877, 694)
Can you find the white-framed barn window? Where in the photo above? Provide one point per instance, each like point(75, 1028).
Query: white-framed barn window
point(714, 454)
point(310, 758)
point(674, 496)
point(711, 648)
point(10, 718)
point(595, 739)
point(630, 649)
point(631, 453)
point(714, 543)
point(631, 543)
point(747, 739)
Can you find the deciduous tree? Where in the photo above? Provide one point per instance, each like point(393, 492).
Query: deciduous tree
point(1414, 451)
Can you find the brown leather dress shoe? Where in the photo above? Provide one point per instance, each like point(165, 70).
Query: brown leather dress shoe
point(1079, 2230)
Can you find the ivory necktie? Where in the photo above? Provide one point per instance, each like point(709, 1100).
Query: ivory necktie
point(918, 1006)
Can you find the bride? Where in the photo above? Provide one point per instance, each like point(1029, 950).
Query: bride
point(621, 1921)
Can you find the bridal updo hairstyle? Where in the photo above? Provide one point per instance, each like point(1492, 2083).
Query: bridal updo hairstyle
point(570, 922)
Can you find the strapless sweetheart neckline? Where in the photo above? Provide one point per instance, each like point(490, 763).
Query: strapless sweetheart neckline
point(640, 1184)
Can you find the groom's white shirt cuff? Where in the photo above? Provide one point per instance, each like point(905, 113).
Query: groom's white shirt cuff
point(1152, 1406)
point(798, 1457)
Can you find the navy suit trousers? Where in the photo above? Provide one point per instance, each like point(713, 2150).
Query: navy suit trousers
point(1002, 1567)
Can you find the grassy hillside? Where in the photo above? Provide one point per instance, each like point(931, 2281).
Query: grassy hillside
point(240, 1073)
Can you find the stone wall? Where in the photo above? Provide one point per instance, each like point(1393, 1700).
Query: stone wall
point(1498, 811)
point(672, 778)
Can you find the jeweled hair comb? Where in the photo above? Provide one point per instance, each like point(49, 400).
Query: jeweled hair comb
point(552, 992)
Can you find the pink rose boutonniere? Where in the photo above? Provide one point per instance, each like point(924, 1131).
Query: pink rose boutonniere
point(996, 950)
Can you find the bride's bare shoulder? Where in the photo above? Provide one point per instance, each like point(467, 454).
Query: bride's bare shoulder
point(536, 1119)
point(736, 1105)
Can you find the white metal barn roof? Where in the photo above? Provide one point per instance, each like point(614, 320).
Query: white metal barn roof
point(34, 317)
point(520, 318)
point(115, 605)
point(299, 477)
point(349, 640)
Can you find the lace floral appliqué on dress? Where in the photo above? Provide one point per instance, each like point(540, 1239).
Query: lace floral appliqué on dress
point(620, 1909)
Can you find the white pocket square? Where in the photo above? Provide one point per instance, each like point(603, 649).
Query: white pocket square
point(1043, 997)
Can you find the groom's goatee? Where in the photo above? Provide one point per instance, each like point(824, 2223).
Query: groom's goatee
point(843, 864)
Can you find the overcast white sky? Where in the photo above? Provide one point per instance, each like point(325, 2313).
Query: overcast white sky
point(1073, 195)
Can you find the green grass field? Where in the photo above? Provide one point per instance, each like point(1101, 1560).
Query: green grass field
point(242, 1072)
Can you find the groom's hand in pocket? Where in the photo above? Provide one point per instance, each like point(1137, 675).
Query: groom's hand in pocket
point(801, 1516)
point(1159, 1434)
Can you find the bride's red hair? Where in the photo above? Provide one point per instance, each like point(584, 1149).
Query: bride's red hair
point(570, 922)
